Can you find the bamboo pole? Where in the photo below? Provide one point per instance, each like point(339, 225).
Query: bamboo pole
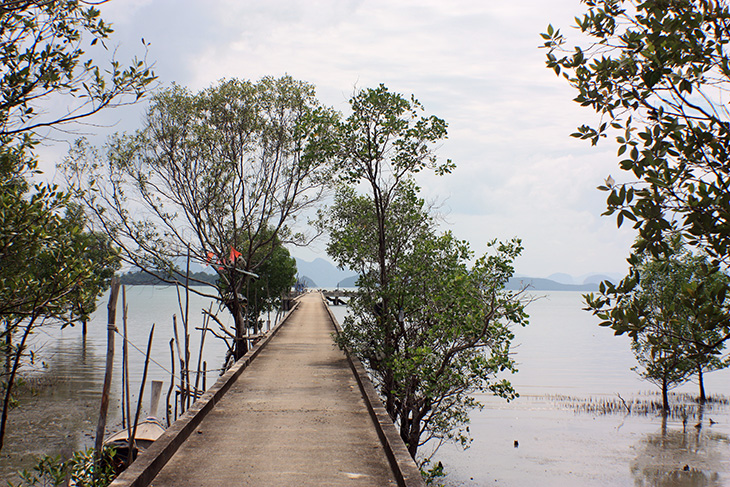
point(187, 331)
point(168, 409)
point(126, 408)
point(206, 320)
point(111, 328)
point(141, 389)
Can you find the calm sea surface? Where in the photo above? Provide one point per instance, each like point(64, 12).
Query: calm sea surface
point(567, 364)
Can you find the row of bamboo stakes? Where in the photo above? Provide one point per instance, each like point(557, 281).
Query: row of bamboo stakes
point(187, 391)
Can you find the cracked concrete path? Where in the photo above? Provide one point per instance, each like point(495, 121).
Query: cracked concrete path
point(295, 417)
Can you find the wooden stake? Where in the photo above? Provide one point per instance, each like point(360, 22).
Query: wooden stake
point(126, 408)
point(141, 387)
point(172, 382)
point(111, 328)
point(206, 320)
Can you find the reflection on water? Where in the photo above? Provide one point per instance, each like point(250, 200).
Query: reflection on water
point(688, 457)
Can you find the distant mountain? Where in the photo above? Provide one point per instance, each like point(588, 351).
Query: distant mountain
point(561, 278)
point(308, 281)
point(599, 278)
point(540, 284)
point(141, 278)
point(322, 272)
point(349, 282)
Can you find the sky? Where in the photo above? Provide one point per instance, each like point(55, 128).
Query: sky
point(474, 63)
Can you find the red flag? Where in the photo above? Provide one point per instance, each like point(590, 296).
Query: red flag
point(235, 254)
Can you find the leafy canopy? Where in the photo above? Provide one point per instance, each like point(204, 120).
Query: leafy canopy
point(657, 73)
point(221, 175)
point(43, 50)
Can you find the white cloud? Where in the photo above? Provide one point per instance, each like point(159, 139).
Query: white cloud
point(475, 64)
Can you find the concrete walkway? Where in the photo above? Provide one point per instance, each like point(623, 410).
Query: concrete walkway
point(295, 417)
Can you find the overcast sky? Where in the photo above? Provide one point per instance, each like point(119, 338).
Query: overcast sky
point(474, 63)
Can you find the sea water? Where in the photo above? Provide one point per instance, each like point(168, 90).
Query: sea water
point(566, 362)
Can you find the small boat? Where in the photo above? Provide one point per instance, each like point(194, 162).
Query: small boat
point(145, 433)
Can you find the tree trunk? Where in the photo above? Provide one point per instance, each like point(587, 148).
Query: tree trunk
point(240, 347)
point(665, 396)
point(700, 377)
point(11, 379)
point(8, 348)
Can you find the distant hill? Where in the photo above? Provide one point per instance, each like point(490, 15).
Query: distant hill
point(599, 278)
point(349, 282)
point(540, 284)
point(307, 281)
point(561, 278)
point(141, 278)
point(322, 272)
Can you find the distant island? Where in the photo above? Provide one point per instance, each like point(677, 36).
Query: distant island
point(540, 284)
point(323, 274)
point(141, 278)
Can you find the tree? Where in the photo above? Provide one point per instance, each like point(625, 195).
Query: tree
point(704, 298)
point(42, 47)
point(277, 275)
point(105, 262)
point(673, 339)
point(48, 263)
point(430, 328)
point(220, 175)
point(657, 73)
point(383, 142)
point(47, 260)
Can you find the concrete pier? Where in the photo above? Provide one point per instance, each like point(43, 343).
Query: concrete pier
point(296, 416)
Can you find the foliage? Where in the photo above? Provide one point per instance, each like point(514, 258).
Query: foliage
point(277, 275)
point(42, 45)
point(669, 304)
point(434, 474)
point(50, 267)
point(102, 258)
point(431, 328)
point(657, 73)
point(220, 175)
point(52, 471)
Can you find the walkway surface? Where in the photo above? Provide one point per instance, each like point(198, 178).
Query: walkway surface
point(295, 417)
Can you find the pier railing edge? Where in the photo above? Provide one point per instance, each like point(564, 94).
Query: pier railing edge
point(405, 468)
point(144, 469)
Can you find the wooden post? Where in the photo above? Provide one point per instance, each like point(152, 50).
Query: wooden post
point(172, 384)
point(111, 328)
point(141, 395)
point(206, 320)
point(186, 328)
point(155, 397)
point(181, 360)
point(205, 373)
